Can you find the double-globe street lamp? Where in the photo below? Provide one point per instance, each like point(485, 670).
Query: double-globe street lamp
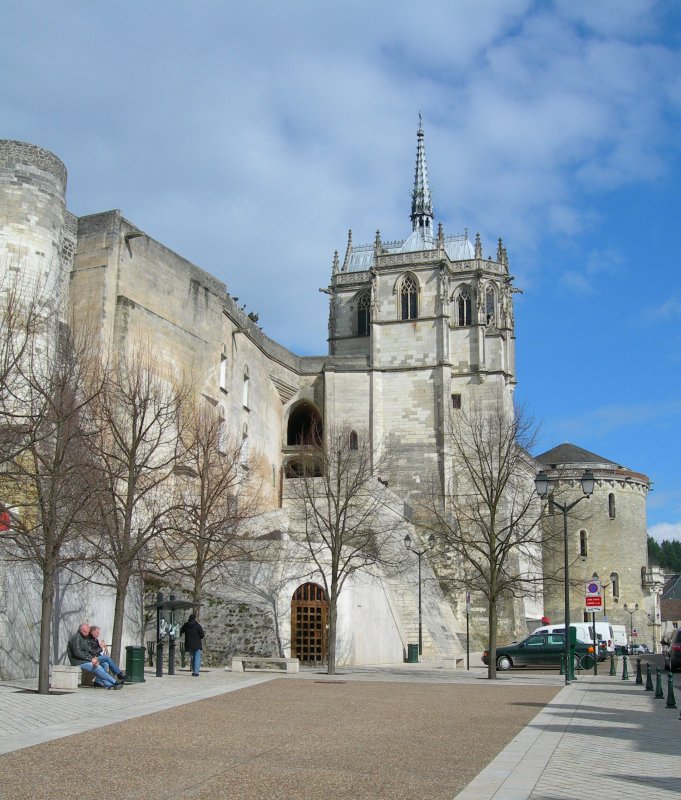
point(542, 484)
point(420, 554)
point(631, 612)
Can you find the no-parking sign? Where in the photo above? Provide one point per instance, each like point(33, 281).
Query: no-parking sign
point(593, 600)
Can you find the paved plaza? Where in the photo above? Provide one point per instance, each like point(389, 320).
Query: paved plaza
point(403, 731)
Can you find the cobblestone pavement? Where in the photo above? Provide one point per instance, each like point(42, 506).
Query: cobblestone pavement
point(417, 729)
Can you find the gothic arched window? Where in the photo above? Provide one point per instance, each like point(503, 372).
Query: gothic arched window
point(364, 314)
point(354, 441)
point(489, 306)
point(464, 308)
point(583, 548)
point(409, 298)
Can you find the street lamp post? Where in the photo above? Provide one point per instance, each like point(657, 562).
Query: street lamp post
point(542, 484)
point(631, 612)
point(420, 554)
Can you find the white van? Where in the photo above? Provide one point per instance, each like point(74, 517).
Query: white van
point(604, 634)
point(619, 636)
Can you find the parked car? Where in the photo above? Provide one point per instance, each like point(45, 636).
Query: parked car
point(672, 651)
point(584, 632)
point(540, 650)
point(638, 649)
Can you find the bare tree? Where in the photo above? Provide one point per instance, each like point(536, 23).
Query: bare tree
point(216, 496)
point(488, 517)
point(137, 447)
point(47, 471)
point(343, 519)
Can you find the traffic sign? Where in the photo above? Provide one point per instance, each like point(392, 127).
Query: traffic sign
point(593, 600)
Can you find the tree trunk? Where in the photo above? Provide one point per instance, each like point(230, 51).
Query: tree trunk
point(492, 618)
point(333, 615)
point(119, 614)
point(47, 604)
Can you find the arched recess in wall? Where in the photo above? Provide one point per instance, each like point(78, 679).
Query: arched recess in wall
point(363, 322)
point(305, 425)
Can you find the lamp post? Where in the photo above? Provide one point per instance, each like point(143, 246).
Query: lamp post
point(631, 612)
point(542, 484)
point(420, 554)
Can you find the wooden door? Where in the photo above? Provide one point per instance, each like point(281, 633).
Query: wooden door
point(309, 624)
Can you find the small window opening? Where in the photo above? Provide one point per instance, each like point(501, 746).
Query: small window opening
point(582, 543)
point(456, 401)
point(611, 505)
point(223, 373)
point(354, 441)
point(489, 305)
point(246, 388)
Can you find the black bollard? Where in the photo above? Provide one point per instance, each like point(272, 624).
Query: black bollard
point(671, 700)
point(659, 694)
point(625, 670)
point(649, 678)
point(639, 677)
point(613, 670)
point(562, 664)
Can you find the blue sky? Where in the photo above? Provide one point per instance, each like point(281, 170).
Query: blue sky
point(250, 137)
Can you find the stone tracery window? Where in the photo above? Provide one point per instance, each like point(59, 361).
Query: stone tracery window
point(364, 314)
point(464, 308)
point(409, 298)
point(489, 306)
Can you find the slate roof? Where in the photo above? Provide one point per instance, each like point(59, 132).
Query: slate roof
point(571, 454)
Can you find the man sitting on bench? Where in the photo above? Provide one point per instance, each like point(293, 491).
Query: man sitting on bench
point(98, 649)
point(81, 656)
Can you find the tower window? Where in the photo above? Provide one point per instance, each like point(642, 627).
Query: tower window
point(464, 311)
point(583, 550)
point(456, 401)
point(408, 296)
point(354, 441)
point(611, 505)
point(364, 314)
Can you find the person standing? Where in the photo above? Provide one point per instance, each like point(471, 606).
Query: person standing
point(193, 642)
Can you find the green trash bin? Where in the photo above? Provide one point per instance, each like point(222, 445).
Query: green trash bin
point(412, 654)
point(134, 663)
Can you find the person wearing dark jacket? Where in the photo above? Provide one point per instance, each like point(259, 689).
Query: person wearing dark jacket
point(98, 649)
point(193, 644)
point(80, 655)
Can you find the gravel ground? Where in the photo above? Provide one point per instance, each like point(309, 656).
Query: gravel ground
point(286, 739)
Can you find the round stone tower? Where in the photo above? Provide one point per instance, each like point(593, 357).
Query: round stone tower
point(607, 536)
point(32, 212)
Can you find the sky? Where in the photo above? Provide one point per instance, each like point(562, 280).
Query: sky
point(249, 137)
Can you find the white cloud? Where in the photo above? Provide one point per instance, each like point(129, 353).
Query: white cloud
point(665, 530)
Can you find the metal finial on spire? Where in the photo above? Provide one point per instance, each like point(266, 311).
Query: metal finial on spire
point(421, 201)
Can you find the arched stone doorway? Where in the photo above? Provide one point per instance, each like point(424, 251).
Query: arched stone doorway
point(309, 624)
point(304, 425)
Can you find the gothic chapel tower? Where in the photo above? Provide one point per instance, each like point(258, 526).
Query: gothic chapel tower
point(418, 329)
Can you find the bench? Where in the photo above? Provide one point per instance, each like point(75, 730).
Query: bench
point(265, 663)
point(453, 662)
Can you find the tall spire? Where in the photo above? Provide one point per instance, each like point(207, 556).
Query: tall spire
point(421, 203)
